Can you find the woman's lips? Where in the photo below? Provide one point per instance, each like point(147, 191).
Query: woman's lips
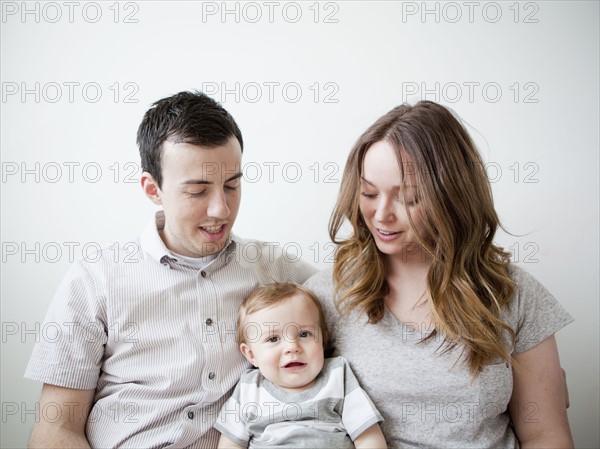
point(387, 235)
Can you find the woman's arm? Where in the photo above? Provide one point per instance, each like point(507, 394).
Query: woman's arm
point(537, 405)
point(372, 438)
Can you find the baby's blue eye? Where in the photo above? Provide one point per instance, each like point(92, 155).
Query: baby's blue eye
point(304, 334)
point(273, 339)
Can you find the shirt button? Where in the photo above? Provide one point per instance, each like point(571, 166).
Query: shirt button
point(211, 376)
point(203, 274)
point(209, 322)
point(191, 415)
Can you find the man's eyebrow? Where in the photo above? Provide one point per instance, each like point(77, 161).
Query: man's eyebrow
point(205, 182)
point(234, 177)
point(195, 181)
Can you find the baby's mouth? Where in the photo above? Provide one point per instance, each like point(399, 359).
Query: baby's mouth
point(294, 365)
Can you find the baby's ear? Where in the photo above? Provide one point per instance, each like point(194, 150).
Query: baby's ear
point(247, 352)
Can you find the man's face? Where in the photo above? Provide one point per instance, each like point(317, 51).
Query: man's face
point(200, 195)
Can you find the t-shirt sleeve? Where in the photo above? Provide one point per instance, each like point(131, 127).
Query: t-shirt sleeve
point(230, 421)
point(359, 412)
point(70, 350)
point(534, 313)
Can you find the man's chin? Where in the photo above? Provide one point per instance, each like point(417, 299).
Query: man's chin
point(211, 248)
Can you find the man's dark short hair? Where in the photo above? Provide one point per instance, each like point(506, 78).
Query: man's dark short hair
point(186, 117)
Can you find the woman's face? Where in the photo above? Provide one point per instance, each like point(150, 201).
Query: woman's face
point(382, 201)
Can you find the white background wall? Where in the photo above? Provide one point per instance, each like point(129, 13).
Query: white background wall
point(77, 78)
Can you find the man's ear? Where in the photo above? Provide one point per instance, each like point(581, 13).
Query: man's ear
point(150, 188)
point(247, 352)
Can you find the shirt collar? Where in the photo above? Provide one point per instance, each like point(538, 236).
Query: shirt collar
point(153, 244)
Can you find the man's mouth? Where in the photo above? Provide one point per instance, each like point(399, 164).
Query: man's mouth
point(212, 229)
point(213, 233)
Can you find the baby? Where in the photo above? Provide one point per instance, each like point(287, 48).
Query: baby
point(296, 398)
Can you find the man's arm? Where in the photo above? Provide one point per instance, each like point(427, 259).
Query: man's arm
point(537, 405)
point(68, 429)
point(372, 438)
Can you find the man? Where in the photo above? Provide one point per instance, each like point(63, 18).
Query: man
point(147, 352)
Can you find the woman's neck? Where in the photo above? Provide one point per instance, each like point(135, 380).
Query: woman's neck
point(408, 264)
point(407, 281)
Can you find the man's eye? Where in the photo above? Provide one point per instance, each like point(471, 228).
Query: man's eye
point(197, 193)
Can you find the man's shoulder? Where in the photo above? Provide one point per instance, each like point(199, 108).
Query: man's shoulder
point(271, 262)
point(117, 252)
point(247, 244)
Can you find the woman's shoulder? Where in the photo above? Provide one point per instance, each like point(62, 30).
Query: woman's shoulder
point(527, 286)
point(321, 283)
point(534, 313)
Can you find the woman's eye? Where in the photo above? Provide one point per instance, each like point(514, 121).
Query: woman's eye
point(368, 195)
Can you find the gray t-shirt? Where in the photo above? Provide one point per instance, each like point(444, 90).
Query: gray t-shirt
point(427, 397)
point(330, 414)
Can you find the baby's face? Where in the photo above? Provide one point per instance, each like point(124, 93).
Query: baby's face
point(285, 342)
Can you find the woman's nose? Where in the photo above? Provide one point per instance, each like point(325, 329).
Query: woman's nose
point(384, 210)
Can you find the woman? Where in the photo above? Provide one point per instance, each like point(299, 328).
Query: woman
point(453, 343)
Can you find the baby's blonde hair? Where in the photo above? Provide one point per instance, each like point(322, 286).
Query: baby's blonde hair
point(272, 294)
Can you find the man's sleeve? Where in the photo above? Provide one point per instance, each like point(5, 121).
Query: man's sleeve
point(70, 350)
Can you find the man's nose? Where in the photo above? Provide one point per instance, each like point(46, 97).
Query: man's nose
point(217, 207)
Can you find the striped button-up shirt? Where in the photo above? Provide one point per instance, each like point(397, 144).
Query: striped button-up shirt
point(155, 337)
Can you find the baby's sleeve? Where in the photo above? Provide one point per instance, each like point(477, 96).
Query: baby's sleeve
point(230, 421)
point(359, 412)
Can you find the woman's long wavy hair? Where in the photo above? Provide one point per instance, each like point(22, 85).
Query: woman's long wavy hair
point(468, 283)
